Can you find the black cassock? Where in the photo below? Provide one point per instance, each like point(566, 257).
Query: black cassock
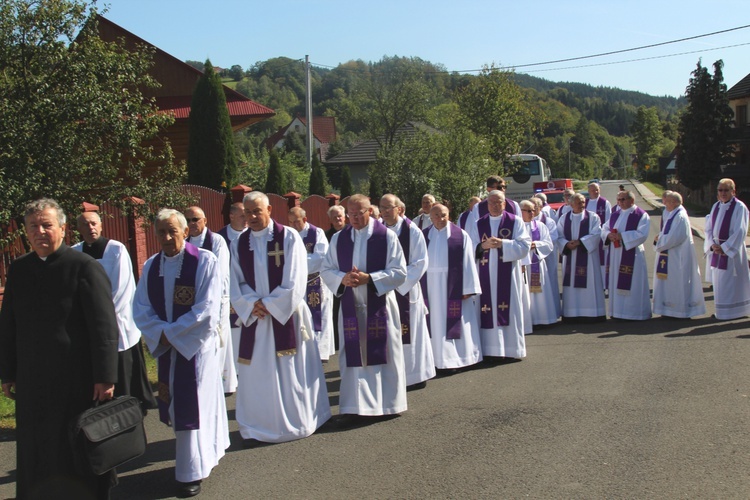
point(58, 336)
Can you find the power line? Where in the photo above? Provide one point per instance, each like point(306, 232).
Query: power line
point(578, 58)
point(639, 59)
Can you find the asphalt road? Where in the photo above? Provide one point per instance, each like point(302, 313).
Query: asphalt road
point(652, 409)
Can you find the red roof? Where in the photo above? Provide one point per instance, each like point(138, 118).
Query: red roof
point(180, 106)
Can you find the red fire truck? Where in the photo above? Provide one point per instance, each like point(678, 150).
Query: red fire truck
point(554, 189)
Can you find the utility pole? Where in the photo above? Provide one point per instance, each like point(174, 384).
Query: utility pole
point(308, 112)
point(569, 173)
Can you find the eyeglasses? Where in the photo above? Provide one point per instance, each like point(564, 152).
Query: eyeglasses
point(526, 210)
point(503, 186)
point(361, 213)
point(195, 219)
point(622, 199)
point(723, 190)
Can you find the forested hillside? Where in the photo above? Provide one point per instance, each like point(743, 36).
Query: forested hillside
point(583, 131)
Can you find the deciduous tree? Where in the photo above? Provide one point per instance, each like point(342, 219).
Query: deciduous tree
point(73, 118)
point(647, 136)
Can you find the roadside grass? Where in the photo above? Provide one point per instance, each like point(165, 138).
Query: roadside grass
point(7, 413)
point(657, 189)
point(8, 406)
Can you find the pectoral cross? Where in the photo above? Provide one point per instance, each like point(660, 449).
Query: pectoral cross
point(484, 260)
point(277, 253)
point(486, 308)
point(503, 306)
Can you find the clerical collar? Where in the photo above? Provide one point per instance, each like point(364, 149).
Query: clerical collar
point(399, 220)
point(174, 258)
point(198, 240)
point(97, 248)
point(628, 210)
point(365, 231)
point(492, 217)
point(266, 232)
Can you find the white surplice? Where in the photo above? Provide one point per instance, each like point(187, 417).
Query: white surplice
point(589, 301)
point(221, 251)
point(633, 304)
point(324, 336)
point(467, 350)
point(680, 295)
point(233, 234)
point(422, 221)
point(506, 341)
point(543, 307)
point(377, 389)
point(553, 260)
point(194, 334)
point(280, 398)
point(418, 359)
point(119, 268)
point(731, 285)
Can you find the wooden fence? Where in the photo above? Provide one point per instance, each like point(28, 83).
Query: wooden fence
point(139, 238)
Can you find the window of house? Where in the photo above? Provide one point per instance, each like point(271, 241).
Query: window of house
point(742, 115)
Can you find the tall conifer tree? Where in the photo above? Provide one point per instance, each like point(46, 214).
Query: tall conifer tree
point(346, 182)
point(212, 161)
point(704, 128)
point(275, 182)
point(317, 178)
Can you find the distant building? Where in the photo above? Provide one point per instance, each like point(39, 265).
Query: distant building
point(178, 80)
point(360, 156)
point(739, 98)
point(324, 134)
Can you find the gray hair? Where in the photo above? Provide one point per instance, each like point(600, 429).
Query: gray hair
point(497, 192)
point(527, 203)
point(541, 196)
point(255, 196)
point(674, 196)
point(168, 213)
point(400, 203)
point(579, 197)
point(537, 202)
point(336, 208)
point(42, 204)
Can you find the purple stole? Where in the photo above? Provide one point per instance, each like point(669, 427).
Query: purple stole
point(185, 384)
point(377, 314)
point(403, 300)
point(283, 334)
point(421, 220)
point(582, 255)
point(504, 273)
point(463, 218)
point(601, 211)
point(224, 233)
point(662, 266)
point(313, 294)
point(720, 261)
point(455, 283)
point(535, 283)
point(208, 241)
point(627, 261)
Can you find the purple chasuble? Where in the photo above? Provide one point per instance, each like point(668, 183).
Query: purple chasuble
point(404, 309)
point(662, 266)
point(283, 334)
point(535, 284)
point(582, 255)
point(377, 314)
point(720, 261)
point(185, 383)
point(504, 273)
point(627, 261)
point(455, 283)
point(313, 292)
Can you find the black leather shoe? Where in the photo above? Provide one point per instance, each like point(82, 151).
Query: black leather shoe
point(188, 490)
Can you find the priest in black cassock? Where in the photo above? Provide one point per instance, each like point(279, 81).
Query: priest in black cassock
point(58, 353)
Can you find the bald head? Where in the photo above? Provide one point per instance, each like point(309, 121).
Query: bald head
point(89, 224)
point(297, 218)
point(196, 221)
point(439, 215)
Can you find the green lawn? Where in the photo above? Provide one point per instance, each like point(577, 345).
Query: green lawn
point(657, 189)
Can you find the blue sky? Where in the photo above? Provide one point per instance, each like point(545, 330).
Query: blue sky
point(461, 35)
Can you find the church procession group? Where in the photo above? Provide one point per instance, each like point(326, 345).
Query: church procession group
point(256, 308)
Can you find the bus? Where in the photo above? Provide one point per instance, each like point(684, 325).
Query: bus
point(526, 170)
